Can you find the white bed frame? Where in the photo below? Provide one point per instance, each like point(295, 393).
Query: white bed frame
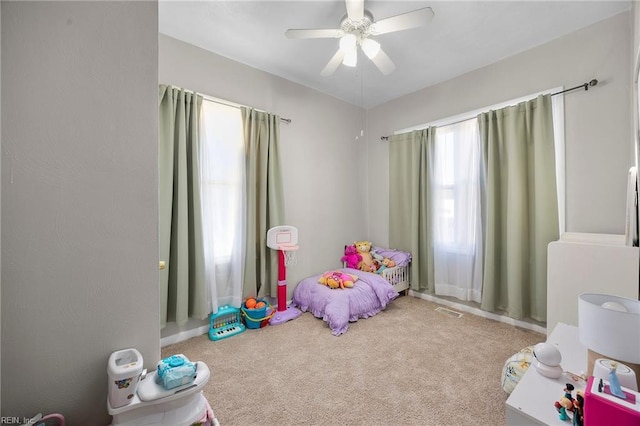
point(398, 277)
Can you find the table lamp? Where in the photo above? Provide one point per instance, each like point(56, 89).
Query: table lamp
point(609, 327)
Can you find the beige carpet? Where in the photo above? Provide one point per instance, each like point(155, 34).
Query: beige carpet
point(408, 365)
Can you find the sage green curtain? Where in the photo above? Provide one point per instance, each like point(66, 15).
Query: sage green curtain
point(182, 283)
point(410, 224)
point(264, 200)
point(520, 207)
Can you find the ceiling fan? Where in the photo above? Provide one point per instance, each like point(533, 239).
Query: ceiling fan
point(356, 28)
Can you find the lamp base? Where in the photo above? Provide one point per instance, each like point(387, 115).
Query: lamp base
point(592, 356)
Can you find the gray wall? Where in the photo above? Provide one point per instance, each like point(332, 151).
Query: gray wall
point(599, 145)
point(79, 201)
point(635, 64)
point(635, 11)
point(323, 163)
point(0, 206)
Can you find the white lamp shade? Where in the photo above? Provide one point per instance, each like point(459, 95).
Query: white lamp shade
point(348, 43)
point(351, 58)
point(608, 329)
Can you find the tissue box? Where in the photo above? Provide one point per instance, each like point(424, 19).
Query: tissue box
point(176, 371)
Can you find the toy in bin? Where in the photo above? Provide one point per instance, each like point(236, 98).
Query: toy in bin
point(175, 371)
point(254, 312)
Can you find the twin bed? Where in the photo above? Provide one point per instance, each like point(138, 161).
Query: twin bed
point(370, 294)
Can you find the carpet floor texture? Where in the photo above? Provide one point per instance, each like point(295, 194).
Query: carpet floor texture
point(409, 365)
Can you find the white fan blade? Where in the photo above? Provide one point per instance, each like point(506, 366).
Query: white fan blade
point(405, 21)
point(383, 62)
point(355, 9)
point(333, 64)
point(314, 33)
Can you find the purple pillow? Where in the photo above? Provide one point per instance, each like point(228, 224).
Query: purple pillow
point(401, 258)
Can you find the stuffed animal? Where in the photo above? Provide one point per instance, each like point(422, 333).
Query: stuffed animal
point(388, 262)
point(351, 257)
point(380, 262)
point(384, 264)
point(337, 279)
point(330, 279)
point(364, 250)
point(377, 262)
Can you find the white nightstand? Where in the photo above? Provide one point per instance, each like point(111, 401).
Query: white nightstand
point(531, 402)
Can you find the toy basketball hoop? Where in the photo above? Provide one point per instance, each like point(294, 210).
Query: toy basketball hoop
point(283, 239)
point(282, 236)
point(289, 252)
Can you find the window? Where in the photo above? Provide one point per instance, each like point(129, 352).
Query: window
point(456, 186)
point(444, 188)
point(222, 178)
point(222, 189)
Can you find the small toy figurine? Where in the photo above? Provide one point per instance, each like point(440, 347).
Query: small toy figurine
point(614, 384)
point(565, 403)
point(578, 409)
point(567, 391)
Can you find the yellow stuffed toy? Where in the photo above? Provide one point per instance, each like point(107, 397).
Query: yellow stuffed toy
point(337, 279)
point(364, 250)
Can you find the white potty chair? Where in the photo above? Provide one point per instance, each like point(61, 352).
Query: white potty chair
point(152, 404)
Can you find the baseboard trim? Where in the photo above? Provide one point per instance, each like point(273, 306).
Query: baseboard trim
point(480, 312)
point(183, 335)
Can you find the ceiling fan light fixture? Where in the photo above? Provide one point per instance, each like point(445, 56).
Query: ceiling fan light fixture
point(355, 28)
point(350, 58)
point(370, 47)
point(348, 43)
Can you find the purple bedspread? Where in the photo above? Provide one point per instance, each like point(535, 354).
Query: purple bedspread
point(369, 295)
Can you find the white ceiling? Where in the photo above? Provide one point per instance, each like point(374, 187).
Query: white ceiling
point(463, 36)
